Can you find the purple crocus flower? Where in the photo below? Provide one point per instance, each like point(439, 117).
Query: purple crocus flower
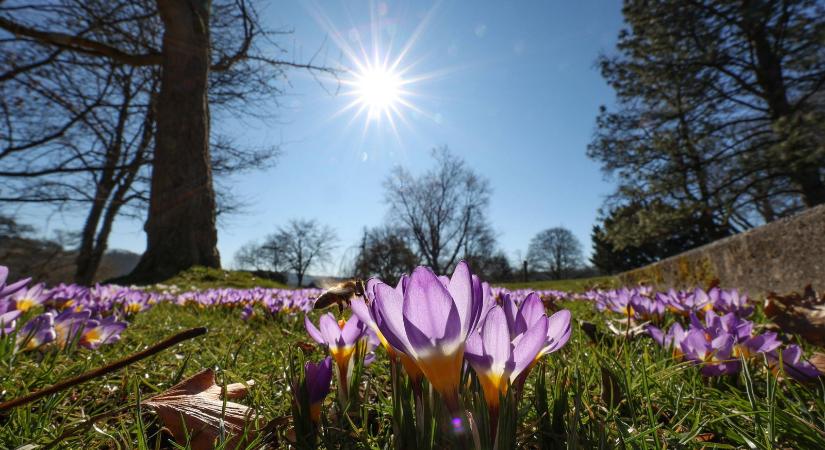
point(672, 340)
point(26, 299)
point(247, 312)
point(762, 343)
point(792, 363)
point(429, 320)
point(36, 332)
point(317, 379)
point(701, 301)
point(531, 310)
point(730, 323)
point(340, 338)
point(8, 289)
point(8, 316)
point(365, 314)
point(502, 350)
point(714, 353)
point(645, 308)
point(68, 325)
point(734, 302)
point(103, 331)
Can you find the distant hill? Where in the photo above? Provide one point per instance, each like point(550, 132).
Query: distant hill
point(46, 261)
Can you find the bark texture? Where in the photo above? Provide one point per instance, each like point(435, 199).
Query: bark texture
point(181, 229)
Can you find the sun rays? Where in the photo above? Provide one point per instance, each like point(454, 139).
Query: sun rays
point(378, 80)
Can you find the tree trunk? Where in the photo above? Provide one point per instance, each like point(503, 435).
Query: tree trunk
point(89, 253)
point(180, 229)
point(85, 267)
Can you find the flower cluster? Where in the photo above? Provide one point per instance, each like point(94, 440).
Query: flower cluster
point(70, 317)
point(642, 303)
point(438, 328)
point(718, 343)
point(273, 301)
point(717, 334)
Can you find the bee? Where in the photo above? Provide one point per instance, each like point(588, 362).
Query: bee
point(341, 293)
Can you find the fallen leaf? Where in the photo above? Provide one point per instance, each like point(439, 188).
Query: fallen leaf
point(803, 314)
point(818, 360)
point(705, 437)
point(195, 407)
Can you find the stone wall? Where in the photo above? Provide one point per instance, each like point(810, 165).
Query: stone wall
point(782, 256)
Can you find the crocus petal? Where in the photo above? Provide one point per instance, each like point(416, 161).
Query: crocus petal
point(763, 343)
point(656, 333)
point(474, 348)
point(428, 306)
point(330, 330)
point(496, 340)
point(795, 368)
point(352, 330)
point(14, 287)
point(531, 310)
point(558, 330)
point(362, 311)
point(314, 333)
point(369, 288)
point(508, 305)
point(529, 346)
point(694, 345)
point(388, 313)
point(461, 291)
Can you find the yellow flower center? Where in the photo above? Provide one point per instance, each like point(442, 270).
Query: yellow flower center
point(443, 372)
point(492, 385)
point(24, 304)
point(92, 336)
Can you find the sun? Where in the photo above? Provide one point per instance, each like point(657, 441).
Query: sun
point(378, 89)
point(383, 86)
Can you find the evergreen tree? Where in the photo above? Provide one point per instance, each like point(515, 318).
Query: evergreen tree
point(719, 115)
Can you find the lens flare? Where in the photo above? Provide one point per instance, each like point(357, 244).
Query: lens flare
point(378, 89)
point(380, 78)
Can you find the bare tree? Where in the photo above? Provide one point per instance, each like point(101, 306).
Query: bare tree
point(250, 256)
point(208, 52)
point(443, 209)
point(384, 252)
point(555, 250)
point(94, 95)
point(299, 246)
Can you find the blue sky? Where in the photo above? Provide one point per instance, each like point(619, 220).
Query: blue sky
point(511, 87)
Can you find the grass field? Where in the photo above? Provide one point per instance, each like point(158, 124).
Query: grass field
point(206, 278)
point(602, 393)
point(572, 285)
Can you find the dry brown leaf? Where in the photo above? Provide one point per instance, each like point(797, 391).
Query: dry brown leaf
point(705, 437)
point(195, 407)
point(803, 314)
point(818, 360)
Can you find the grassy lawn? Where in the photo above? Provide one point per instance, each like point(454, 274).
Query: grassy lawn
point(572, 285)
point(207, 278)
point(602, 393)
